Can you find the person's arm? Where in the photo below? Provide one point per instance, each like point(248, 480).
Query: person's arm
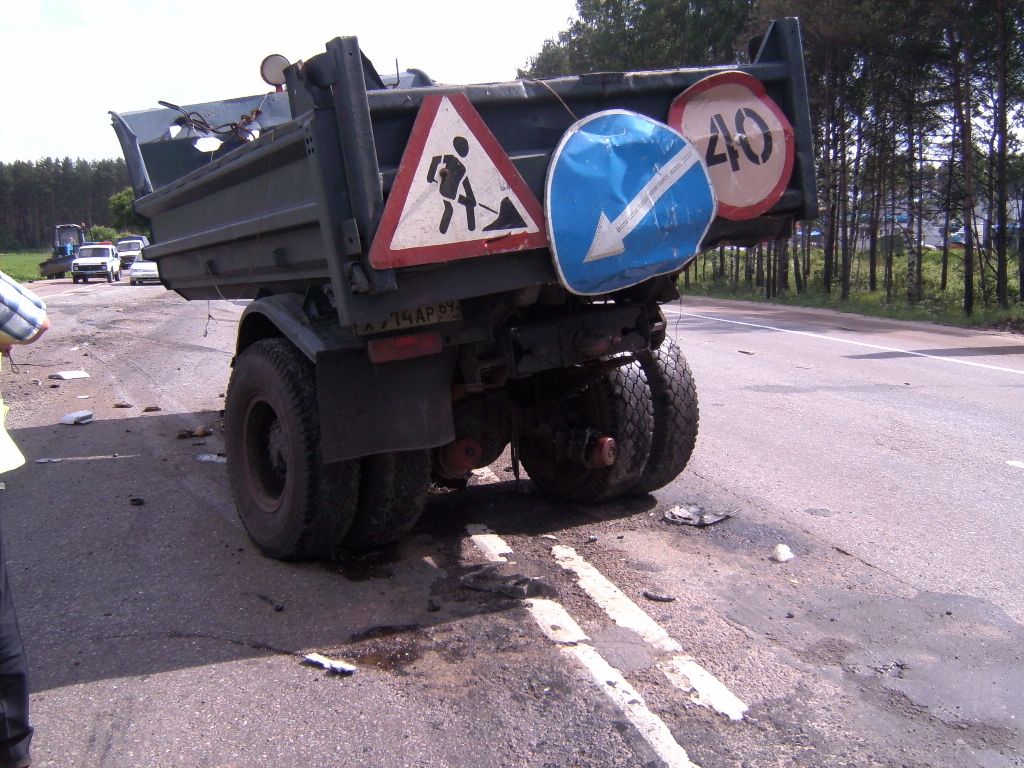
point(22, 315)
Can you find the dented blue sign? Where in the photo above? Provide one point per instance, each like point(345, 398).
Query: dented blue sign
point(627, 198)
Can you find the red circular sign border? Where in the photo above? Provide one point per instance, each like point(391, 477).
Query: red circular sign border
point(675, 120)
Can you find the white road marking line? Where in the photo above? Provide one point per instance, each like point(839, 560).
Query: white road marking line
point(631, 704)
point(685, 672)
point(855, 343)
point(711, 692)
point(556, 624)
point(486, 475)
point(614, 601)
point(63, 293)
point(490, 545)
point(1017, 464)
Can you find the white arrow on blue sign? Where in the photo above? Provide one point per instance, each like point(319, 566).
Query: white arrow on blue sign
point(627, 198)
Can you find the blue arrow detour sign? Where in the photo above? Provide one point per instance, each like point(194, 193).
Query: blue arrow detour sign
point(627, 198)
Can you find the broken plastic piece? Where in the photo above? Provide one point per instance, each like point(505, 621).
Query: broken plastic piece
point(658, 598)
point(692, 515)
point(78, 417)
point(782, 553)
point(516, 586)
point(66, 375)
point(331, 665)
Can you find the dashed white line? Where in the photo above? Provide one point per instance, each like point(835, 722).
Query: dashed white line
point(614, 601)
point(684, 672)
point(490, 545)
point(556, 624)
point(486, 475)
point(631, 704)
point(851, 342)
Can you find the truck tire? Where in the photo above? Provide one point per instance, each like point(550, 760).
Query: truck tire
point(392, 492)
point(292, 505)
point(74, 279)
point(676, 416)
point(110, 276)
point(617, 405)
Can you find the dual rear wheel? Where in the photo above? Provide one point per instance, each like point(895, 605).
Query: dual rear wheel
point(296, 506)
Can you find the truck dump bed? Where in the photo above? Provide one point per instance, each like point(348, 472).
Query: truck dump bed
point(299, 205)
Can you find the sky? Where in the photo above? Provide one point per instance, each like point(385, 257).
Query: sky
point(66, 63)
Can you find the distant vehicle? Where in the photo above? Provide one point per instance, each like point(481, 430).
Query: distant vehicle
point(130, 248)
point(96, 260)
point(143, 270)
point(67, 239)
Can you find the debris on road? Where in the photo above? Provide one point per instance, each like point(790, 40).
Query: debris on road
point(516, 586)
point(202, 431)
point(331, 665)
point(184, 434)
point(123, 405)
point(694, 515)
point(78, 417)
point(658, 598)
point(433, 606)
point(84, 397)
point(152, 409)
point(48, 461)
point(591, 539)
point(782, 553)
point(136, 502)
point(549, 536)
point(67, 375)
point(37, 382)
point(216, 458)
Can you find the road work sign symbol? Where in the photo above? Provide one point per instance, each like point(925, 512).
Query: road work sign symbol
point(627, 198)
point(456, 195)
point(745, 140)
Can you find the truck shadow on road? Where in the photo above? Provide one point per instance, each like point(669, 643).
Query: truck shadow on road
point(127, 559)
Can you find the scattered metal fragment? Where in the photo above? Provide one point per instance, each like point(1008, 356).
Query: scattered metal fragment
point(591, 539)
point(78, 417)
point(744, 352)
point(516, 586)
point(658, 598)
point(48, 461)
point(549, 536)
point(331, 665)
point(123, 405)
point(66, 375)
point(152, 409)
point(216, 458)
point(37, 382)
point(782, 553)
point(693, 515)
point(84, 397)
point(136, 502)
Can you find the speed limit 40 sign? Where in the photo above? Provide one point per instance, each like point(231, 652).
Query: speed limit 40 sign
point(743, 137)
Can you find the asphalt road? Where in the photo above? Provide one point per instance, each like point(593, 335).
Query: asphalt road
point(887, 455)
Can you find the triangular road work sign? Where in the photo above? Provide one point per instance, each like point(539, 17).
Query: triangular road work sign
point(456, 195)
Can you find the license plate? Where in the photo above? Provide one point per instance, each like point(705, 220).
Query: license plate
point(442, 312)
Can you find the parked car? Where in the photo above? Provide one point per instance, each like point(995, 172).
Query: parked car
point(96, 260)
point(143, 270)
point(130, 248)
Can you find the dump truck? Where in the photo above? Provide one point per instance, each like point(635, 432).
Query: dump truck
point(436, 274)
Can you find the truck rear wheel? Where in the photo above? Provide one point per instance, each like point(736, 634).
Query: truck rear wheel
point(292, 505)
point(392, 493)
point(616, 405)
point(676, 416)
